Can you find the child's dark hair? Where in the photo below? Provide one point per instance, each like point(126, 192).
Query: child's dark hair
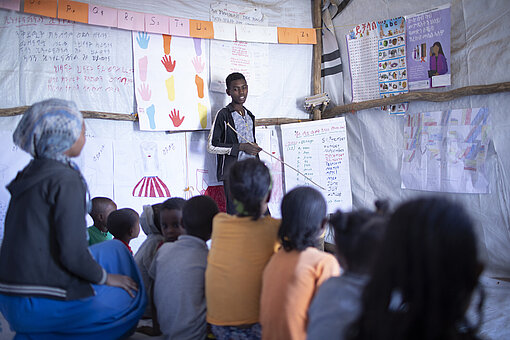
point(174, 203)
point(156, 208)
point(99, 205)
point(423, 276)
point(250, 184)
point(233, 76)
point(358, 236)
point(197, 216)
point(121, 221)
point(303, 211)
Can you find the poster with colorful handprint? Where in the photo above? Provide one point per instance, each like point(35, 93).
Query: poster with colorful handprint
point(171, 76)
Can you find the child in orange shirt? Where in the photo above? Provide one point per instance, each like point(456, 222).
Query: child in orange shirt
point(295, 272)
point(241, 246)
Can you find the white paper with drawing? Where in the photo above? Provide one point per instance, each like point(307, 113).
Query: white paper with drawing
point(201, 165)
point(318, 150)
point(267, 139)
point(251, 59)
point(171, 76)
point(63, 59)
point(446, 151)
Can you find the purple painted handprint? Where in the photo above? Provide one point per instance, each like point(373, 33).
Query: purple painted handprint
point(198, 46)
point(143, 39)
point(145, 92)
point(198, 64)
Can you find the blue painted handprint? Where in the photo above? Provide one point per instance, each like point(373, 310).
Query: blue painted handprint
point(143, 39)
point(198, 46)
point(151, 111)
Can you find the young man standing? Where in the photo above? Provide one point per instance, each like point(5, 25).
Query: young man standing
point(224, 142)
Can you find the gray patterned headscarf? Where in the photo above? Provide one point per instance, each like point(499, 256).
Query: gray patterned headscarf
point(49, 128)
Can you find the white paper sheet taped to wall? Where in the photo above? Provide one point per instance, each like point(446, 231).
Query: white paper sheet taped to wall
point(318, 149)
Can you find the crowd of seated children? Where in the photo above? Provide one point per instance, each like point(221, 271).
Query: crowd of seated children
point(241, 246)
point(124, 225)
point(423, 277)
point(150, 223)
point(101, 207)
point(51, 285)
point(294, 273)
point(337, 303)
point(179, 274)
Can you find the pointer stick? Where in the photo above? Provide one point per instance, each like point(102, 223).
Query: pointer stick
point(279, 160)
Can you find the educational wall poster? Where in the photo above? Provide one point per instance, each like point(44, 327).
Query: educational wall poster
point(50, 57)
point(171, 82)
point(446, 151)
point(377, 61)
point(318, 150)
point(362, 45)
point(392, 62)
point(250, 59)
point(268, 139)
point(428, 48)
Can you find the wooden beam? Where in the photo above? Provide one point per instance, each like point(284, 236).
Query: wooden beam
point(317, 54)
point(278, 121)
point(419, 96)
point(14, 111)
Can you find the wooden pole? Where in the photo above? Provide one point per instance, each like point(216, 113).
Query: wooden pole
point(420, 96)
point(317, 54)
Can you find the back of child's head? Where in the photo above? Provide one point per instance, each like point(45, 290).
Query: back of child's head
point(250, 184)
point(233, 76)
point(197, 216)
point(358, 235)
point(101, 205)
point(303, 215)
point(121, 222)
point(423, 276)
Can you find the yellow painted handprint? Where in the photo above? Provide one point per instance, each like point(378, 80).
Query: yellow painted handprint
point(202, 114)
point(170, 88)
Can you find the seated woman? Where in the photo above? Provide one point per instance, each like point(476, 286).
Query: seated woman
point(50, 284)
point(423, 277)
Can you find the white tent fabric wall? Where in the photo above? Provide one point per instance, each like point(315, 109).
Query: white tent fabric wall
point(480, 38)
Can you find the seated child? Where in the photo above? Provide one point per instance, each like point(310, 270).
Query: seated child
point(338, 302)
point(294, 273)
point(171, 219)
point(124, 225)
point(101, 209)
point(149, 221)
point(241, 246)
point(179, 273)
point(423, 276)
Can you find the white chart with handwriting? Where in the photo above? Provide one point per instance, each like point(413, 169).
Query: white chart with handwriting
point(318, 150)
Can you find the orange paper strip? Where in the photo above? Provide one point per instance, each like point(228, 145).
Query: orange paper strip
point(307, 36)
point(293, 35)
point(47, 8)
point(73, 10)
point(201, 29)
point(287, 35)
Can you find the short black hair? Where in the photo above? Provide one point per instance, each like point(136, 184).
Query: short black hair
point(233, 76)
point(303, 210)
point(121, 221)
point(99, 206)
point(249, 182)
point(174, 203)
point(197, 216)
point(358, 235)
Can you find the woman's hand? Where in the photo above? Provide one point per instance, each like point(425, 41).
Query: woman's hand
point(122, 281)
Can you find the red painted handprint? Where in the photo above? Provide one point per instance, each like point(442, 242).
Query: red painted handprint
point(167, 62)
point(174, 116)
